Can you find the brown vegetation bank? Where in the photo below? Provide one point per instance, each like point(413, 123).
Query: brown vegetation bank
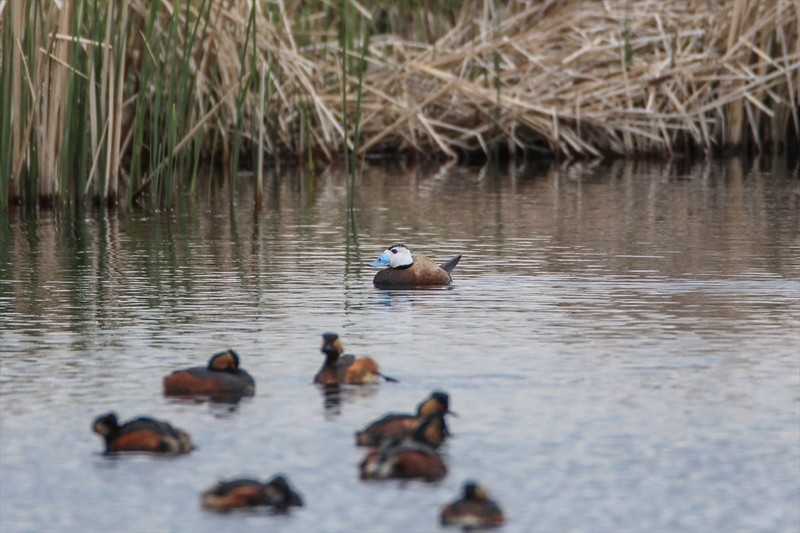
point(125, 100)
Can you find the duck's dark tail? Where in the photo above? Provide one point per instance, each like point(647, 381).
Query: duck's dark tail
point(388, 378)
point(448, 266)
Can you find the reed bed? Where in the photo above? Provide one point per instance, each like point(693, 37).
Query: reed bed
point(125, 100)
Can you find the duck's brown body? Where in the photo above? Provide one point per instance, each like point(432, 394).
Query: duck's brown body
point(349, 370)
point(403, 463)
point(392, 426)
point(400, 426)
point(201, 380)
point(420, 273)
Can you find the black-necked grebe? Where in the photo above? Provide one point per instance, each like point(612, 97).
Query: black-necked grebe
point(409, 458)
point(397, 426)
point(346, 369)
point(275, 494)
point(141, 435)
point(221, 376)
point(473, 510)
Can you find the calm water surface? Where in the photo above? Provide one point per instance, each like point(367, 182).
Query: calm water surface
point(622, 344)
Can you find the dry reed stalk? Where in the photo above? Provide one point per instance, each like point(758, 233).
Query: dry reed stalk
point(50, 133)
point(20, 126)
point(107, 100)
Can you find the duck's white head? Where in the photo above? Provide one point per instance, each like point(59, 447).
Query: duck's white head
point(396, 256)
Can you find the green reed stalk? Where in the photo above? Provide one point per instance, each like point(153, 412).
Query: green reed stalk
point(245, 76)
point(270, 117)
point(8, 71)
point(170, 127)
point(163, 86)
point(183, 87)
point(260, 145)
point(143, 100)
point(302, 125)
point(344, 39)
point(163, 96)
point(157, 102)
point(73, 155)
point(172, 142)
point(497, 85)
point(197, 152)
point(361, 72)
point(89, 61)
point(627, 49)
point(188, 77)
point(204, 16)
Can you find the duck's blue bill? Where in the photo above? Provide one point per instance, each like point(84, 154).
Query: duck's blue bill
point(381, 261)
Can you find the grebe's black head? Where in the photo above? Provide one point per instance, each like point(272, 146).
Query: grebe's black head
point(281, 494)
point(473, 491)
point(106, 424)
point(437, 401)
point(331, 344)
point(443, 399)
point(227, 360)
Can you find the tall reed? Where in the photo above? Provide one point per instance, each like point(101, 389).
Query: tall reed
point(8, 187)
point(123, 101)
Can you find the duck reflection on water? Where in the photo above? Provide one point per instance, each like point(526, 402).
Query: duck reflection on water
point(335, 396)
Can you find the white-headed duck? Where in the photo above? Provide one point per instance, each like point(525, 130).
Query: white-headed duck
point(397, 426)
point(222, 376)
point(276, 494)
point(473, 510)
point(407, 271)
point(413, 457)
point(346, 369)
point(141, 435)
